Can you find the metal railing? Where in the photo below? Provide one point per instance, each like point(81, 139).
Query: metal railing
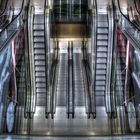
point(93, 57)
point(5, 6)
point(136, 7)
point(30, 99)
point(12, 27)
point(47, 56)
point(131, 29)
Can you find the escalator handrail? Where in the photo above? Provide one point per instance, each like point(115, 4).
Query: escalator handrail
point(5, 6)
point(54, 77)
point(46, 53)
point(133, 24)
point(87, 80)
point(112, 81)
point(109, 65)
point(136, 7)
point(68, 79)
point(4, 23)
point(27, 82)
point(14, 19)
point(92, 84)
point(73, 90)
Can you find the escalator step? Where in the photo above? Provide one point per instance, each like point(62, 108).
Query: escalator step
point(38, 18)
point(38, 33)
point(101, 72)
point(102, 37)
point(101, 61)
point(40, 74)
point(100, 83)
point(39, 63)
point(102, 30)
point(40, 68)
point(102, 17)
point(39, 39)
point(38, 27)
point(102, 49)
point(101, 66)
point(40, 79)
point(101, 43)
point(39, 45)
point(100, 100)
point(41, 90)
point(39, 51)
point(101, 55)
point(39, 57)
point(100, 88)
point(41, 85)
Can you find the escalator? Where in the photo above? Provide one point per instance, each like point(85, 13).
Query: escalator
point(39, 60)
point(69, 98)
point(101, 59)
point(12, 70)
point(71, 85)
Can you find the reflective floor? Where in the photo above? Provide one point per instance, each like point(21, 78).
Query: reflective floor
point(14, 137)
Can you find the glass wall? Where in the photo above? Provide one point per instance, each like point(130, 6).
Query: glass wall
point(70, 10)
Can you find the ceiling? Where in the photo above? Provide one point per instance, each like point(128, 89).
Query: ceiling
point(39, 5)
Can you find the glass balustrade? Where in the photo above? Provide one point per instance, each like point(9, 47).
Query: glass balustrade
point(130, 29)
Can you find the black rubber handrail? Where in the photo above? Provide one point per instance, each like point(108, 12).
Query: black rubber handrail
point(46, 52)
point(55, 58)
point(28, 83)
point(68, 82)
point(32, 108)
point(22, 6)
point(73, 87)
point(5, 6)
point(136, 6)
point(87, 80)
point(132, 23)
point(112, 72)
point(94, 38)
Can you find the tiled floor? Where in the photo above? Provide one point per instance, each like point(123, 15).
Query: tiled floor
point(14, 137)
